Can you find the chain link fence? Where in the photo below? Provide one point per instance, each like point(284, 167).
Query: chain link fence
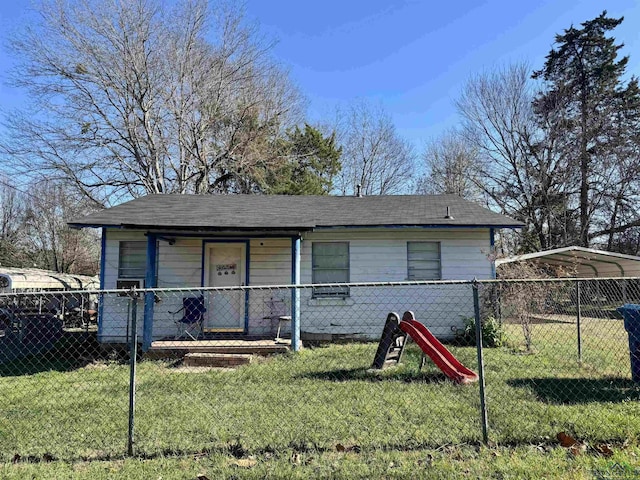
point(88, 375)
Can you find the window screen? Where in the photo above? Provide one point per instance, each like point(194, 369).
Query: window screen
point(330, 264)
point(423, 260)
point(132, 260)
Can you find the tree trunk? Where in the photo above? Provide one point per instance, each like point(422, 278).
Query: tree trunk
point(584, 169)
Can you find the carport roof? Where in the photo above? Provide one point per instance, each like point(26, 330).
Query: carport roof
point(588, 261)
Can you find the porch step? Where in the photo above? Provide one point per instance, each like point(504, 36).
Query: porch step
point(169, 349)
point(215, 360)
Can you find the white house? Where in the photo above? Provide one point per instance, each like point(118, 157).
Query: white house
point(170, 241)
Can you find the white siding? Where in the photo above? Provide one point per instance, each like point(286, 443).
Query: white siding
point(180, 265)
point(377, 256)
point(115, 309)
point(382, 255)
point(270, 265)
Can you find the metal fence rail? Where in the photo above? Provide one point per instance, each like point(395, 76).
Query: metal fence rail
point(269, 368)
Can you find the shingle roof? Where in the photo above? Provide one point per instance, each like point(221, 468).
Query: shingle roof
point(282, 212)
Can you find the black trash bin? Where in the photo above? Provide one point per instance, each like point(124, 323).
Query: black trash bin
point(631, 314)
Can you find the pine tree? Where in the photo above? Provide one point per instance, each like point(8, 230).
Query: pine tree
point(586, 96)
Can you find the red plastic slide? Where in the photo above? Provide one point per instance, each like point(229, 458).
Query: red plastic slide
point(442, 357)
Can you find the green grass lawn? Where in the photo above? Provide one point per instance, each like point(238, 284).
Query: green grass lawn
point(519, 463)
point(308, 403)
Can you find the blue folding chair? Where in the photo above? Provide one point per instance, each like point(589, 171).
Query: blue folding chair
point(191, 323)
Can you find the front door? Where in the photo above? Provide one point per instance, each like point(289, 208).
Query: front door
point(225, 267)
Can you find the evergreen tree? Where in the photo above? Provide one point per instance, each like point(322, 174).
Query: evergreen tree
point(587, 98)
point(311, 163)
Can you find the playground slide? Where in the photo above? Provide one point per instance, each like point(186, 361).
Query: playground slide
point(442, 357)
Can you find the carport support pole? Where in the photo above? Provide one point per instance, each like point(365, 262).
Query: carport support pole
point(483, 397)
point(578, 320)
point(133, 353)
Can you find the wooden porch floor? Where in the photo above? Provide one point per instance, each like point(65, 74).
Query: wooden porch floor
point(252, 346)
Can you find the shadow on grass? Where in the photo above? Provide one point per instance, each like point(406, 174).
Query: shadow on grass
point(369, 375)
point(74, 350)
point(574, 391)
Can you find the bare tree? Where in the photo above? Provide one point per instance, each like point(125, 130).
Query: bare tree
point(451, 167)
point(518, 164)
point(374, 155)
point(130, 98)
point(49, 243)
point(12, 216)
point(521, 301)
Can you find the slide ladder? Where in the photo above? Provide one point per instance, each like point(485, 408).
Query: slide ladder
point(391, 344)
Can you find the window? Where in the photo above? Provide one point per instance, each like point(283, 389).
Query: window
point(423, 261)
point(330, 264)
point(132, 259)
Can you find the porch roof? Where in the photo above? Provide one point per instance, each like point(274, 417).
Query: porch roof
point(283, 212)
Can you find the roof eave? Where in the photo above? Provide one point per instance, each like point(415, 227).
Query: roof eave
point(201, 228)
point(424, 225)
point(209, 228)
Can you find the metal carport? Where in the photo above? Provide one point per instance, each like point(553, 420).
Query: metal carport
point(582, 262)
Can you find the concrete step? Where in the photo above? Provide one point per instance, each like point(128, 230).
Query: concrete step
point(174, 350)
point(199, 359)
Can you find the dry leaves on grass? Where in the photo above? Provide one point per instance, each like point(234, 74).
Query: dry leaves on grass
point(352, 448)
point(576, 447)
point(47, 458)
point(604, 450)
point(567, 441)
point(245, 462)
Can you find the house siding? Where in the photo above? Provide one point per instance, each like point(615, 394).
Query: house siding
point(381, 256)
point(180, 266)
point(375, 256)
point(114, 321)
point(270, 265)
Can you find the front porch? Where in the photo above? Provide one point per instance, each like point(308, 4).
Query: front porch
point(229, 264)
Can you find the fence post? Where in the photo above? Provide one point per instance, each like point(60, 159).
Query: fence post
point(578, 320)
point(133, 353)
point(483, 397)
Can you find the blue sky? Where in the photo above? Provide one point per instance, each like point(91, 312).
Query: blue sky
point(412, 56)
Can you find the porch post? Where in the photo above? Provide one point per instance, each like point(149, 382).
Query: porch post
point(492, 243)
point(103, 263)
point(149, 297)
point(295, 293)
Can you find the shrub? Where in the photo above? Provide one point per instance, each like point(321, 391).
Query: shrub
point(492, 332)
